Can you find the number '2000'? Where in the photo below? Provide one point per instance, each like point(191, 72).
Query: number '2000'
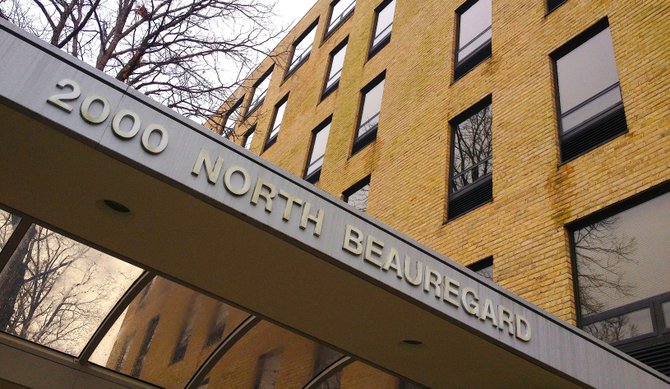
point(73, 92)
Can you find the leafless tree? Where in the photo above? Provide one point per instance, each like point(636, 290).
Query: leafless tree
point(50, 292)
point(178, 51)
point(472, 149)
point(602, 260)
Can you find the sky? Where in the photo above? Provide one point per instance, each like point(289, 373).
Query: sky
point(290, 11)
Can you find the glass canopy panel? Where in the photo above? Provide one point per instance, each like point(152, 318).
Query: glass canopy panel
point(8, 223)
point(267, 357)
point(56, 291)
point(166, 334)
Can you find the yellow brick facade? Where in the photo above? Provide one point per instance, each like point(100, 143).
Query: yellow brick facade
point(535, 195)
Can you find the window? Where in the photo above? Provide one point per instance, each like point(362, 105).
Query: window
point(484, 268)
point(217, 326)
point(301, 49)
point(553, 4)
point(249, 138)
point(260, 90)
point(336, 65)
point(185, 333)
point(139, 362)
point(369, 117)
point(276, 122)
point(317, 151)
point(470, 183)
point(341, 9)
point(325, 357)
point(268, 370)
point(474, 35)
point(589, 97)
point(383, 26)
point(622, 277)
point(357, 195)
point(231, 119)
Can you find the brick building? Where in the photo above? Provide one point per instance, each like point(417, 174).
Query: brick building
point(526, 141)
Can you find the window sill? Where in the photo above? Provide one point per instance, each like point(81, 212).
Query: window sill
point(593, 133)
point(461, 68)
point(379, 46)
point(329, 90)
point(364, 140)
point(470, 197)
point(314, 177)
point(270, 142)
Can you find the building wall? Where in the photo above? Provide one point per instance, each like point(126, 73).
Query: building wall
point(534, 194)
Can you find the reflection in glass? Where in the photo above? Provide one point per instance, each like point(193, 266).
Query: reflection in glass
point(624, 258)
point(336, 65)
point(622, 327)
point(359, 198)
point(472, 149)
point(318, 150)
point(260, 91)
point(475, 28)
point(341, 9)
point(8, 223)
point(165, 339)
point(55, 291)
point(484, 267)
point(588, 83)
point(276, 124)
point(372, 105)
point(666, 313)
point(302, 48)
point(231, 120)
point(248, 138)
point(325, 357)
point(384, 24)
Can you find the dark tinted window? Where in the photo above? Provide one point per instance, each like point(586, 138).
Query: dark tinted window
point(370, 110)
point(474, 35)
point(260, 91)
point(336, 65)
point(471, 159)
point(357, 195)
point(590, 103)
point(302, 48)
point(276, 122)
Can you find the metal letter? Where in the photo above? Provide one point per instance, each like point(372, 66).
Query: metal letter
point(450, 294)
point(353, 235)
point(471, 307)
point(86, 109)
point(228, 182)
point(416, 281)
point(373, 248)
point(290, 200)
point(521, 323)
point(151, 128)
point(268, 196)
point(212, 172)
point(432, 278)
point(488, 313)
point(116, 124)
point(316, 219)
point(505, 318)
point(393, 262)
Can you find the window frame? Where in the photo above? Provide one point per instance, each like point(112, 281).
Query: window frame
point(248, 134)
point(314, 177)
point(551, 5)
point(234, 107)
point(479, 55)
point(269, 139)
point(327, 90)
point(360, 184)
point(484, 184)
point(375, 48)
point(341, 19)
point(360, 141)
point(588, 135)
point(255, 103)
point(659, 334)
point(482, 264)
point(293, 67)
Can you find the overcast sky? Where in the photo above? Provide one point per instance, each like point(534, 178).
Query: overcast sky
point(290, 11)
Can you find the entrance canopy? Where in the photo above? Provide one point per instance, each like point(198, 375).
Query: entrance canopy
point(210, 215)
